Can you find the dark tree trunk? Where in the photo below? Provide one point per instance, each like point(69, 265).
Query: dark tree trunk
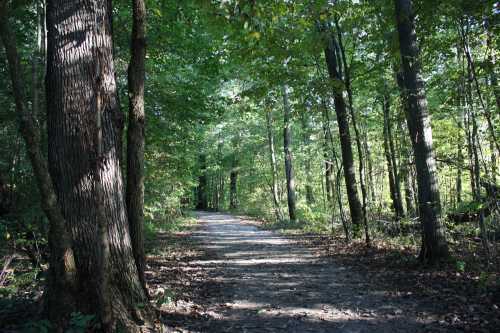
point(233, 183)
point(394, 182)
point(331, 160)
point(80, 87)
point(274, 166)
point(62, 271)
point(357, 135)
point(345, 137)
point(287, 141)
point(135, 136)
point(307, 165)
point(434, 245)
point(202, 200)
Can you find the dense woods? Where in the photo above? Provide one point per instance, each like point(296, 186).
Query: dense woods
point(374, 122)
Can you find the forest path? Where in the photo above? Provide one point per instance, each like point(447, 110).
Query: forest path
point(262, 282)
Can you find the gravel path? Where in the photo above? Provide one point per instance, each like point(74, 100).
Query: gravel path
point(265, 283)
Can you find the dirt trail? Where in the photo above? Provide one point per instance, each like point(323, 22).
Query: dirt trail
point(262, 282)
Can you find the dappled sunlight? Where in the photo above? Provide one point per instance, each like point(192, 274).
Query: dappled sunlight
point(266, 281)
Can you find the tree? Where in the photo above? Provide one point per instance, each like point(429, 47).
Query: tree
point(287, 141)
point(135, 136)
point(434, 246)
point(62, 263)
point(331, 58)
point(84, 162)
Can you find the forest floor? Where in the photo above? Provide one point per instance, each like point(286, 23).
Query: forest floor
point(229, 275)
point(225, 273)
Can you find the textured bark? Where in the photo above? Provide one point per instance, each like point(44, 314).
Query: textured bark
point(61, 283)
point(355, 208)
point(80, 87)
point(434, 245)
point(406, 167)
point(287, 141)
point(274, 166)
point(136, 136)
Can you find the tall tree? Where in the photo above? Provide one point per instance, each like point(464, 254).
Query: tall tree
point(287, 141)
point(390, 152)
point(332, 60)
point(135, 135)
point(274, 166)
point(62, 268)
point(84, 164)
point(233, 183)
point(434, 245)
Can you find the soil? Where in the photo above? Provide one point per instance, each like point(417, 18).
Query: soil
point(253, 280)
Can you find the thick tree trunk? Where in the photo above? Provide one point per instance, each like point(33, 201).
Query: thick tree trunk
point(345, 137)
point(434, 245)
point(287, 141)
point(406, 165)
point(80, 86)
point(135, 136)
point(274, 166)
point(62, 271)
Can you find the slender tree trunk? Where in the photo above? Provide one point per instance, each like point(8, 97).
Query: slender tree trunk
point(331, 160)
point(394, 182)
point(202, 197)
point(274, 167)
point(327, 158)
point(62, 270)
point(357, 135)
point(472, 70)
point(80, 87)
point(287, 141)
point(136, 136)
point(434, 245)
point(233, 189)
point(307, 164)
point(331, 56)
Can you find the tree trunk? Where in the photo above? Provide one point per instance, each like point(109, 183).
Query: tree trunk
point(202, 200)
point(331, 160)
point(357, 135)
point(434, 245)
point(62, 271)
point(345, 137)
point(394, 182)
point(287, 141)
point(135, 136)
point(274, 167)
point(80, 87)
point(233, 185)
point(307, 165)
point(406, 165)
